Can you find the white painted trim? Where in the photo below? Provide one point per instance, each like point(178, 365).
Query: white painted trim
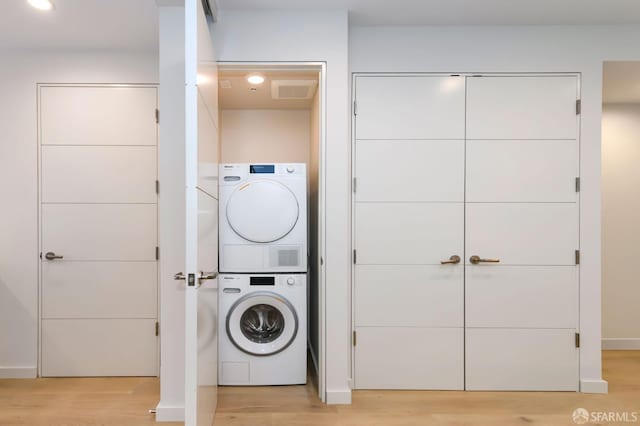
point(18, 372)
point(621, 344)
point(339, 397)
point(594, 386)
point(169, 413)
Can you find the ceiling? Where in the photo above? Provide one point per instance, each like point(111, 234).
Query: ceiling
point(239, 96)
point(463, 12)
point(133, 24)
point(621, 82)
point(80, 24)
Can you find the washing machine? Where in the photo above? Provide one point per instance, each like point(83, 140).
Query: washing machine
point(262, 329)
point(263, 218)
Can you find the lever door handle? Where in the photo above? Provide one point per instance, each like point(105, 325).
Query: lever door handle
point(208, 275)
point(179, 276)
point(51, 256)
point(477, 259)
point(455, 259)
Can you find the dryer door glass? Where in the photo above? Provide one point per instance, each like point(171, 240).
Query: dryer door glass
point(262, 211)
point(262, 323)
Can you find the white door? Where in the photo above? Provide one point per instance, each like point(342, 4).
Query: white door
point(98, 204)
point(201, 216)
point(522, 209)
point(409, 217)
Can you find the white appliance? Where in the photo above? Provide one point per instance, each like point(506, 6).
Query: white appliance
point(263, 218)
point(262, 329)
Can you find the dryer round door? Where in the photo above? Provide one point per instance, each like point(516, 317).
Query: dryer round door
point(262, 211)
point(262, 323)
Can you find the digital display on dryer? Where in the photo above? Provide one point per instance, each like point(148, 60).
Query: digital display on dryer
point(262, 168)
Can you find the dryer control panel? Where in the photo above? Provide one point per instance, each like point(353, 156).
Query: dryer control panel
point(234, 173)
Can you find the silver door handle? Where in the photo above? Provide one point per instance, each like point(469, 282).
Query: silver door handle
point(208, 275)
point(179, 276)
point(51, 256)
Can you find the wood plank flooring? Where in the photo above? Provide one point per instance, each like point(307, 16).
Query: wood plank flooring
point(125, 401)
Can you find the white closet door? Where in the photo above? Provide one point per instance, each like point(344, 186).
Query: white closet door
point(98, 210)
point(413, 170)
point(409, 216)
point(99, 115)
point(420, 107)
point(525, 107)
point(522, 209)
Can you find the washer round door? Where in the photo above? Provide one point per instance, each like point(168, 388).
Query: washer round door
point(262, 211)
point(262, 323)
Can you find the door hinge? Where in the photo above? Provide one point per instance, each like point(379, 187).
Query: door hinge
point(157, 115)
point(578, 106)
point(157, 328)
point(355, 108)
point(157, 253)
point(577, 257)
point(354, 184)
point(158, 187)
point(354, 337)
point(354, 256)
point(577, 340)
point(577, 184)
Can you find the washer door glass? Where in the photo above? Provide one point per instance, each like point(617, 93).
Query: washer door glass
point(262, 211)
point(262, 323)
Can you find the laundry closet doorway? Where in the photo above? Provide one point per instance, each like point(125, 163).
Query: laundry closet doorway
point(282, 119)
point(465, 231)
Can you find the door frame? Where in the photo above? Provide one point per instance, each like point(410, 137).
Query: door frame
point(39, 86)
point(354, 77)
point(321, 68)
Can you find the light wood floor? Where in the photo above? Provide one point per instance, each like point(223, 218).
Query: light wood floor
point(125, 401)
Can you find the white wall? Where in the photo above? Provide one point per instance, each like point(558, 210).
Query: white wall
point(19, 73)
point(620, 225)
point(290, 35)
point(524, 49)
point(264, 135)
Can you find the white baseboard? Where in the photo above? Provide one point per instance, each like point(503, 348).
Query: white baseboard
point(621, 344)
point(594, 386)
point(165, 413)
point(339, 397)
point(18, 372)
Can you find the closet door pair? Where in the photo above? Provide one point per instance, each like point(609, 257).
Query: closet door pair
point(466, 231)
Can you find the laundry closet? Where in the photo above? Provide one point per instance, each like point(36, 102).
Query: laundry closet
point(268, 224)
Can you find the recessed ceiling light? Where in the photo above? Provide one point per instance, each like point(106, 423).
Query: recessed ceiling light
point(41, 4)
point(255, 78)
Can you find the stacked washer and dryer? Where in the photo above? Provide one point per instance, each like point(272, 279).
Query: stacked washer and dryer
point(263, 282)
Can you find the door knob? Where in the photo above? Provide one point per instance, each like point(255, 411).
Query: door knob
point(208, 275)
point(477, 259)
point(51, 256)
point(452, 260)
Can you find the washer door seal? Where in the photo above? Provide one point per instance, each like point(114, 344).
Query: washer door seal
point(262, 323)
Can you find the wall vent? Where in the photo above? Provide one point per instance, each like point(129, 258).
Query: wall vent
point(293, 89)
point(225, 84)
